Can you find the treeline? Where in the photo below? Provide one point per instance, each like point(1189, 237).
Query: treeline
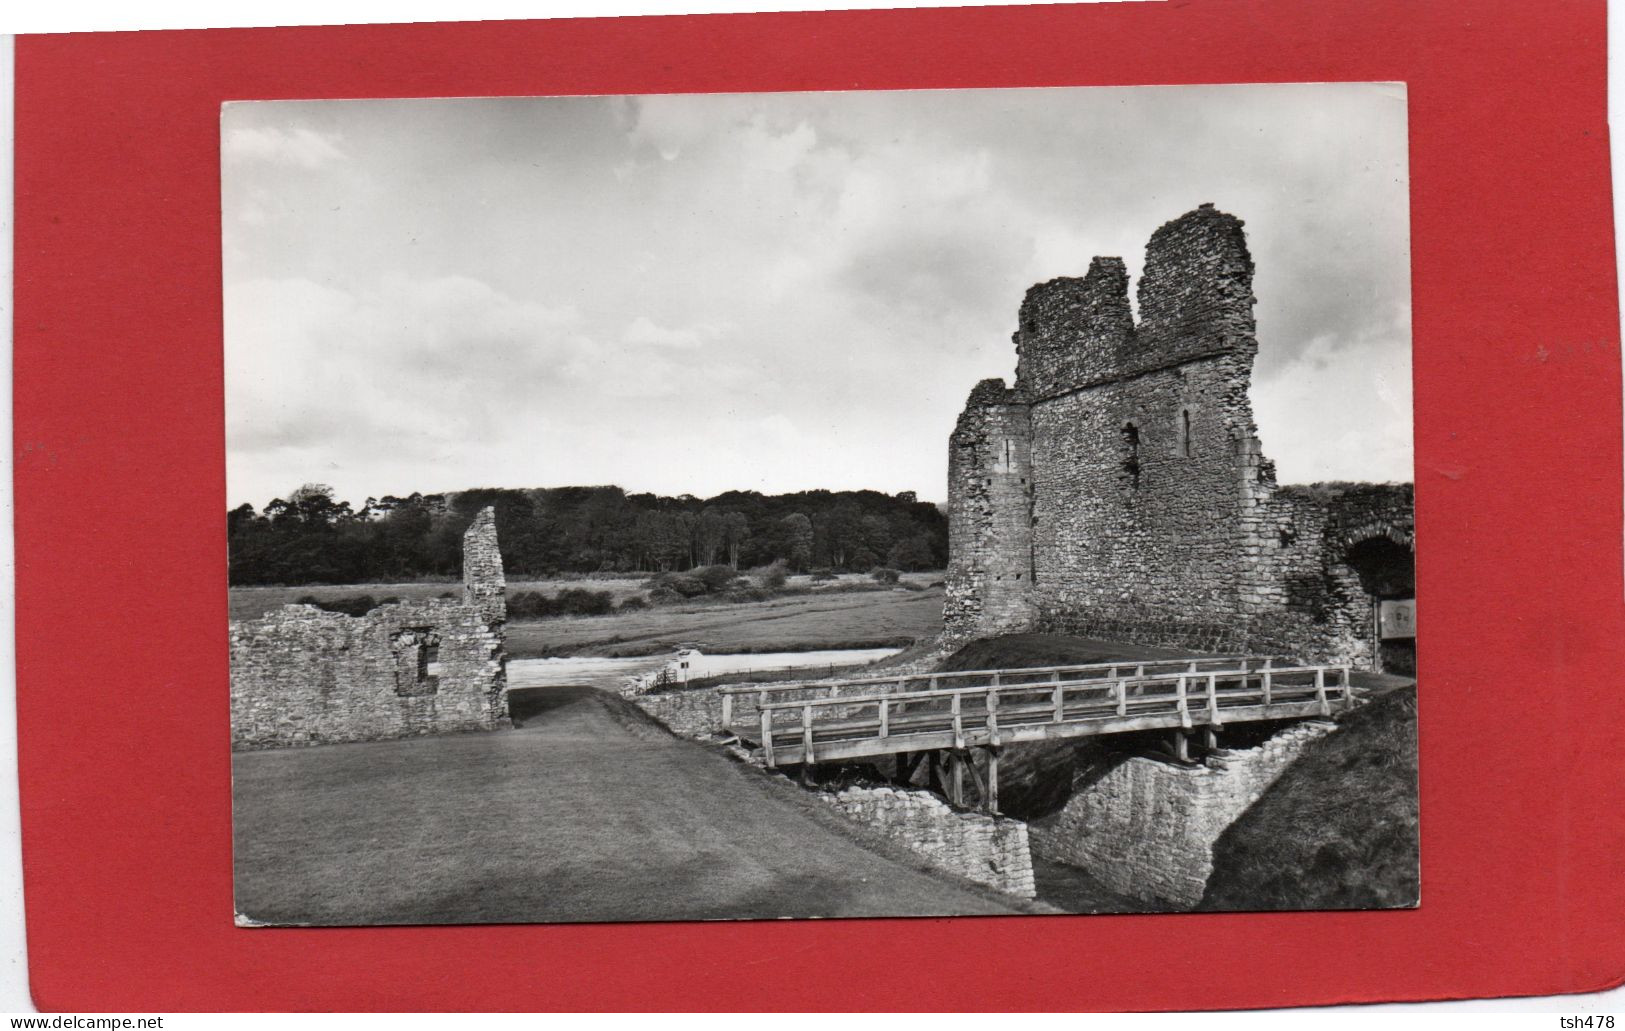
point(310, 537)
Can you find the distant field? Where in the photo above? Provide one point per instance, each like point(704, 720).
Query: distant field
point(822, 619)
point(866, 619)
point(251, 602)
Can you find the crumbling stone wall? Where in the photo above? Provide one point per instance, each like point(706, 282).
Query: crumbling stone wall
point(1315, 586)
point(484, 585)
point(989, 850)
point(1119, 488)
point(302, 676)
point(989, 583)
point(1146, 827)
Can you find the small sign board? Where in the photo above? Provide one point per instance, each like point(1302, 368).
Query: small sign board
point(1397, 619)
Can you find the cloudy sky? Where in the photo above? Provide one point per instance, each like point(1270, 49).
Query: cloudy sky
point(689, 294)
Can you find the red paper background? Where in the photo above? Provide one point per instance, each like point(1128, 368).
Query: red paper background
point(121, 607)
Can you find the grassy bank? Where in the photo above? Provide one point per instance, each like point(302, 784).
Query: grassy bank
point(1027, 651)
point(1338, 830)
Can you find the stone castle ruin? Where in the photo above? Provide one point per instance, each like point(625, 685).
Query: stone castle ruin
point(1118, 489)
point(302, 676)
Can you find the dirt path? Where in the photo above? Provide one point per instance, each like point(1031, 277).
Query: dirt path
point(589, 811)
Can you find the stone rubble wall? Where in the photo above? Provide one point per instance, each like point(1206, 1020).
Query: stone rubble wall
point(1146, 827)
point(988, 586)
point(1162, 534)
point(303, 676)
point(485, 586)
point(988, 850)
point(1073, 331)
point(696, 713)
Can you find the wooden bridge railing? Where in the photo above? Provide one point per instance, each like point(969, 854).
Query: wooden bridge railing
point(993, 715)
point(764, 694)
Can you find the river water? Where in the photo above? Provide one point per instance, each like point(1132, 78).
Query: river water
point(608, 673)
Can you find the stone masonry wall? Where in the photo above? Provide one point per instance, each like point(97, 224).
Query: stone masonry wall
point(989, 850)
point(302, 676)
point(1146, 827)
point(695, 713)
point(1075, 331)
point(1139, 497)
point(1139, 504)
point(988, 586)
point(1306, 586)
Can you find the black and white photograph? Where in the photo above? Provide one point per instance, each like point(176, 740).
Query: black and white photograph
point(811, 505)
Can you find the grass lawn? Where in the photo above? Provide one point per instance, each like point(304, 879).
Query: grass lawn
point(1339, 829)
point(1026, 651)
point(588, 811)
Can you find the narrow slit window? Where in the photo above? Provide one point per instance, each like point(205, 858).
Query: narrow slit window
point(1131, 461)
point(1185, 432)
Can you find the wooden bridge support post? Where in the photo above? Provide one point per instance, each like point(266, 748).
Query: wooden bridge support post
point(1182, 749)
point(907, 762)
point(956, 779)
point(1210, 738)
point(991, 800)
point(967, 760)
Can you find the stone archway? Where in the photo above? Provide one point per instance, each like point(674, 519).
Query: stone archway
point(1385, 564)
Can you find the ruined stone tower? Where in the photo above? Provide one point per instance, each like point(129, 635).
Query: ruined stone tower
point(484, 587)
point(1119, 490)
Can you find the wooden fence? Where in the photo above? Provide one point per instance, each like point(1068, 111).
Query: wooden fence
point(736, 697)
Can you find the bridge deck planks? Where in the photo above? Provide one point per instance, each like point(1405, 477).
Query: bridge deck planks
point(926, 723)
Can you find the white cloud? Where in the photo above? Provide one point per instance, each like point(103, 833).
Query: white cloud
point(443, 373)
point(311, 365)
point(644, 331)
point(1342, 409)
point(691, 293)
point(300, 147)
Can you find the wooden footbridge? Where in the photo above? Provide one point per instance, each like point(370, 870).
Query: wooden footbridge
point(947, 718)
